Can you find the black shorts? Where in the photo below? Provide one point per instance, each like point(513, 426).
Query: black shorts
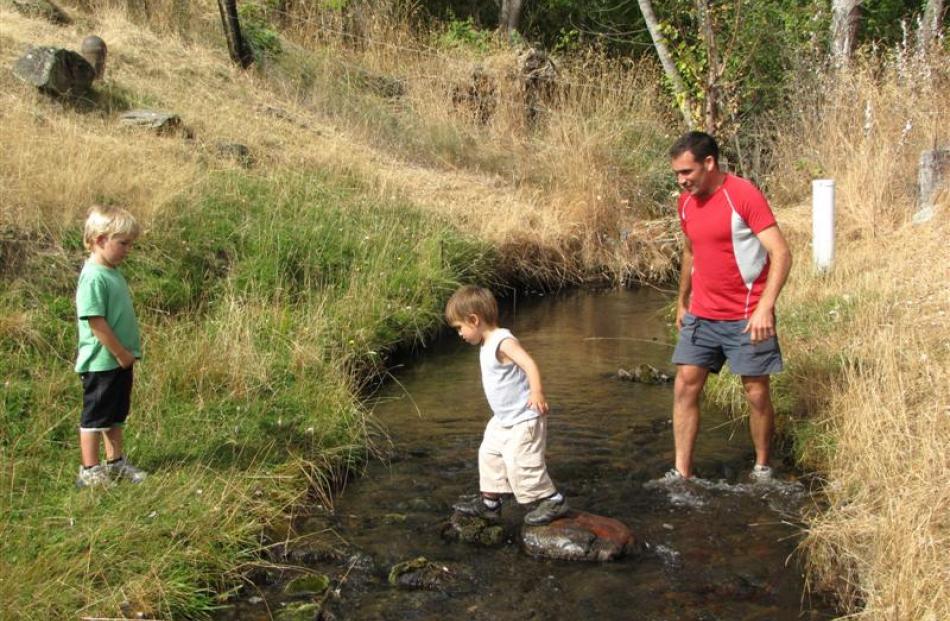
point(105, 399)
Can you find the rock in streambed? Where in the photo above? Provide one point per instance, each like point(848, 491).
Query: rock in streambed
point(580, 536)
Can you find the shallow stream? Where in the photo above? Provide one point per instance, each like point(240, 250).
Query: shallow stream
point(720, 549)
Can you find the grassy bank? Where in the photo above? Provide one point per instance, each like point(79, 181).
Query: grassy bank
point(864, 397)
point(262, 300)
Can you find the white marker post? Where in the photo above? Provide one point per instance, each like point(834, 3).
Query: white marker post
point(823, 223)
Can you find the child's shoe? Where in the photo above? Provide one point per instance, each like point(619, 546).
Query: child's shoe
point(122, 469)
point(761, 474)
point(547, 510)
point(96, 476)
point(475, 506)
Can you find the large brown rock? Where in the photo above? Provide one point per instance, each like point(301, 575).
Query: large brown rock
point(580, 536)
point(55, 70)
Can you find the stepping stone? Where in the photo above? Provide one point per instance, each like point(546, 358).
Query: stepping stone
point(580, 536)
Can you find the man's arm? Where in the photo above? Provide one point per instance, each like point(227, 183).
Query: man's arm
point(102, 331)
point(513, 350)
point(686, 283)
point(762, 322)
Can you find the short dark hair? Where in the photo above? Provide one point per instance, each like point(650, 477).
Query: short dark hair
point(700, 144)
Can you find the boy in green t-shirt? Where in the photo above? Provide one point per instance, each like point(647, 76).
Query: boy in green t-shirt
point(109, 345)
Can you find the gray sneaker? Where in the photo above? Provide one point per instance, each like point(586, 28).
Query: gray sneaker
point(672, 475)
point(124, 470)
point(761, 474)
point(93, 477)
point(546, 511)
point(474, 506)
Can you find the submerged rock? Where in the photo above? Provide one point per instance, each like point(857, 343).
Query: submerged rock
point(309, 585)
point(580, 537)
point(475, 530)
point(299, 612)
point(420, 573)
point(644, 374)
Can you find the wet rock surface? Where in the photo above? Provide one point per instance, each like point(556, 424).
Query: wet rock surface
point(421, 573)
point(644, 374)
point(580, 536)
point(473, 530)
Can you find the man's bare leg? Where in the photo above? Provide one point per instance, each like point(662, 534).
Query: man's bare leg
point(687, 389)
point(761, 415)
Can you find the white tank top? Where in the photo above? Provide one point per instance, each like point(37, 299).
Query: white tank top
point(506, 385)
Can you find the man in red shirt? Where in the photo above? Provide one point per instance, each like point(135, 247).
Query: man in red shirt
point(735, 262)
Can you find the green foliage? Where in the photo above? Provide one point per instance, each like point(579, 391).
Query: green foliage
point(464, 33)
point(258, 32)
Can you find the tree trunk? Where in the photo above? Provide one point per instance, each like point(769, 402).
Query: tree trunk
point(713, 67)
point(659, 43)
point(237, 48)
point(931, 22)
point(845, 17)
point(510, 16)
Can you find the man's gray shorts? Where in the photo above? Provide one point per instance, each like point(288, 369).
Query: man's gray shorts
point(708, 343)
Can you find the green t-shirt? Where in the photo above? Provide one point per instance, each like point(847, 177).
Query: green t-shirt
point(103, 292)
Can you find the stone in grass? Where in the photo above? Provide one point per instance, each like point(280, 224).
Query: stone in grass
point(161, 122)
point(579, 536)
point(420, 573)
point(235, 151)
point(43, 9)
point(307, 585)
point(474, 530)
point(55, 70)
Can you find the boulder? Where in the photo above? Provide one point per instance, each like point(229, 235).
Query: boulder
point(161, 122)
point(579, 537)
point(43, 9)
point(55, 70)
point(474, 530)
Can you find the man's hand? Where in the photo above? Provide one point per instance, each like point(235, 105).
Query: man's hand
point(537, 402)
point(680, 313)
point(761, 325)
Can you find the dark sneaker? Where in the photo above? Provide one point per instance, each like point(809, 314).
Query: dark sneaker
point(93, 477)
point(545, 511)
point(474, 506)
point(761, 474)
point(124, 470)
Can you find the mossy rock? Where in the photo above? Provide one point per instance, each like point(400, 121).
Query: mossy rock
point(299, 612)
point(419, 573)
point(474, 530)
point(310, 584)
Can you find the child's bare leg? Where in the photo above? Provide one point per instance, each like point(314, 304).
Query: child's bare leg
point(113, 442)
point(89, 447)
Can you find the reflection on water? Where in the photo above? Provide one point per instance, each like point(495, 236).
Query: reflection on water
point(715, 549)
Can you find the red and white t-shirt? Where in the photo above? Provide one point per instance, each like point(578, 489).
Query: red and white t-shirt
point(730, 265)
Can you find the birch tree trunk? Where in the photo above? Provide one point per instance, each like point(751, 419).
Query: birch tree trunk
point(932, 22)
point(510, 16)
point(845, 17)
point(237, 47)
point(659, 43)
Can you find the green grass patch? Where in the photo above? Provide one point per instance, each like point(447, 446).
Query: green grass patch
point(263, 302)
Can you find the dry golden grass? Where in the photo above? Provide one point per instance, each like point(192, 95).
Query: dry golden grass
point(882, 541)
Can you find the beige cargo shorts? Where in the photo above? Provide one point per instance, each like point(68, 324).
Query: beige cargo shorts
point(511, 460)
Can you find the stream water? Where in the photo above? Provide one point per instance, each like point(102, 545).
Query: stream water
point(718, 549)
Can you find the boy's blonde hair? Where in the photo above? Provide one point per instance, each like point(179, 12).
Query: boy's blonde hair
point(111, 221)
point(472, 300)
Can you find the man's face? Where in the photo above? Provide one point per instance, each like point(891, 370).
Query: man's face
point(695, 177)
